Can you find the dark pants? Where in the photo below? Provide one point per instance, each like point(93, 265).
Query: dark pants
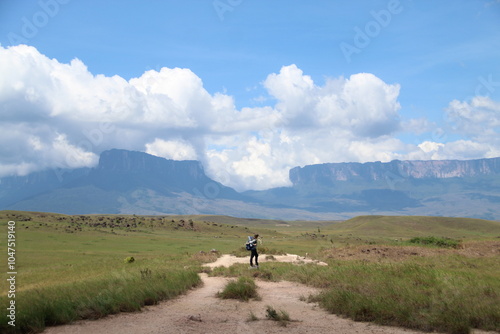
point(255, 255)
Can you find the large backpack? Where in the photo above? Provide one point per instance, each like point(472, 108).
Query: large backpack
point(249, 245)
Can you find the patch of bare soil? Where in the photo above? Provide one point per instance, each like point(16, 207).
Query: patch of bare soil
point(200, 311)
point(227, 260)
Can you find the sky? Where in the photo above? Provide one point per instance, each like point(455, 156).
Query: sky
point(249, 88)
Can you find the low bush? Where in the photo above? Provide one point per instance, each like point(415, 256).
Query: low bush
point(129, 259)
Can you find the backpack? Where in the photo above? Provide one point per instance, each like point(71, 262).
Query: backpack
point(249, 245)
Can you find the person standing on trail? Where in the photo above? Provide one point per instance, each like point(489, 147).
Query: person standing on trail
point(253, 242)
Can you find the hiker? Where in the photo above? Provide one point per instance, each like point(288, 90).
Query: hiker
point(253, 249)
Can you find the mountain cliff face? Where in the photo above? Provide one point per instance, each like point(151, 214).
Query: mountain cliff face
point(123, 161)
point(129, 169)
point(374, 171)
point(442, 188)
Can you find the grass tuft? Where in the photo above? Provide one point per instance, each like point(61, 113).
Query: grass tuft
point(252, 317)
point(280, 316)
point(244, 289)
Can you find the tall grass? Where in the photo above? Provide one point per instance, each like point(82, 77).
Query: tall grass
point(413, 296)
point(95, 299)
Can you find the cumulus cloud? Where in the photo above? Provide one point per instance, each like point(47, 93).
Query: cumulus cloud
point(479, 118)
point(346, 119)
point(362, 104)
point(477, 122)
point(56, 115)
point(61, 115)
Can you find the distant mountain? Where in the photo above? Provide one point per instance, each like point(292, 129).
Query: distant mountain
point(16, 188)
point(129, 182)
point(374, 171)
point(121, 170)
point(120, 179)
point(469, 188)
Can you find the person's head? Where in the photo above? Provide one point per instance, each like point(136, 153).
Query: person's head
point(256, 236)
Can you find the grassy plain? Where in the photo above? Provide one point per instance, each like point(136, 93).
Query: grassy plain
point(73, 267)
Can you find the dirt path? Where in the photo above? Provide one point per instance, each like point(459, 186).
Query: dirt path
point(199, 311)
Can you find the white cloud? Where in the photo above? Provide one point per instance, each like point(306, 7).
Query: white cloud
point(172, 149)
point(61, 115)
point(459, 149)
point(477, 123)
point(362, 104)
point(428, 146)
point(478, 119)
point(43, 99)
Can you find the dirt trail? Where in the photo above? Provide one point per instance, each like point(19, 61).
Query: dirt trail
point(200, 311)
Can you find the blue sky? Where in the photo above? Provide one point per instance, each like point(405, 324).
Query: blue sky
point(427, 74)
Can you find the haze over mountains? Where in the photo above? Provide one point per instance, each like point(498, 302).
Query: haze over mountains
point(129, 182)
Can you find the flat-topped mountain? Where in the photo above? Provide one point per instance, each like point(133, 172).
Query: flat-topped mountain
point(374, 171)
point(122, 169)
point(123, 161)
point(136, 182)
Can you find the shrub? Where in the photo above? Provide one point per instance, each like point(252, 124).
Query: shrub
point(436, 241)
point(129, 259)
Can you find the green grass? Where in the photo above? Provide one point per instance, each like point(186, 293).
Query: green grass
point(414, 226)
point(414, 295)
point(244, 289)
point(74, 267)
